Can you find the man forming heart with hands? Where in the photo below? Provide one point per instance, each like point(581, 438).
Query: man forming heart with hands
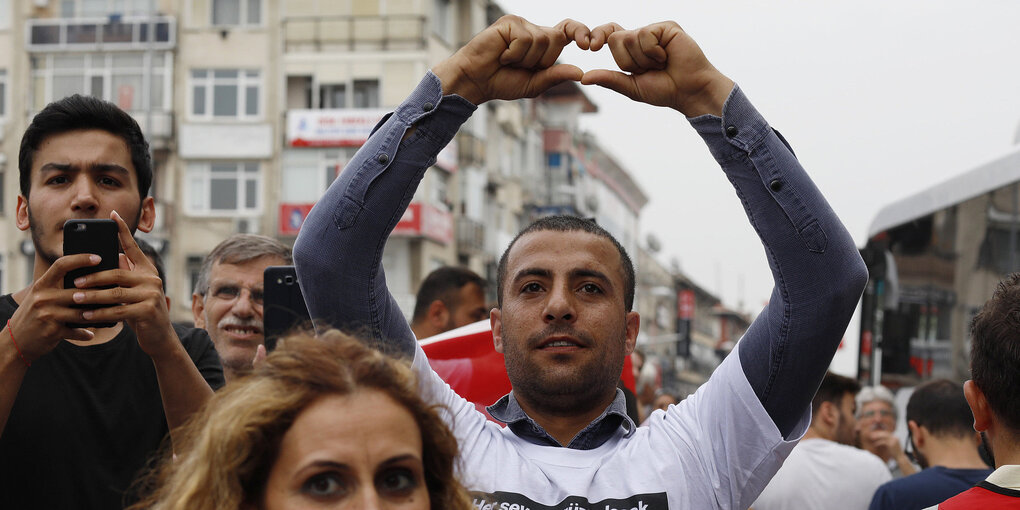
point(565, 287)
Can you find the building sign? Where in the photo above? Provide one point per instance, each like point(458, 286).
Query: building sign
point(685, 304)
point(126, 97)
point(292, 216)
point(424, 220)
point(684, 314)
point(331, 128)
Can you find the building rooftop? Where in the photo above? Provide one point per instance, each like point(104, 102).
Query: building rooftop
point(995, 174)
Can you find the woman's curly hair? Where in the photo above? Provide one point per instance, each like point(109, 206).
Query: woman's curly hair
point(229, 447)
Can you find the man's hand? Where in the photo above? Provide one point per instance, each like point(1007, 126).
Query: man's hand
point(40, 322)
point(666, 66)
point(139, 291)
point(511, 59)
point(883, 443)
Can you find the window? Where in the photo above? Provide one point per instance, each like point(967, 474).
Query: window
point(224, 188)
point(442, 19)
point(236, 12)
point(308, 173)
point(303, 92)
point(193, 265)
point(225, 94)
point(116, 77)
point(333, 95)
point(366, 94)
point(363, 94)
point(439, 191)
point(3, 93)
point(103, 8)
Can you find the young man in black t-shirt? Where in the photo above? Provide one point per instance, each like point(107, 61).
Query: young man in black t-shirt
point(83, 409)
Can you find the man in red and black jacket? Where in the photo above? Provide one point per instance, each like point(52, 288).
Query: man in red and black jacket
point(992, 395)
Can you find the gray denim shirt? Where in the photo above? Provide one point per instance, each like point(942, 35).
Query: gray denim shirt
point(818, 272)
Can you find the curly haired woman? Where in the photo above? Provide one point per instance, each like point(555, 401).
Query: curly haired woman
point(324, 422)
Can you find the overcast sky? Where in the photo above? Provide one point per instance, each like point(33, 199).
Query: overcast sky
point(879, 99)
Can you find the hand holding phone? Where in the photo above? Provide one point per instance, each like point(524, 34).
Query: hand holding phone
point(283, 304)
point(91, 236)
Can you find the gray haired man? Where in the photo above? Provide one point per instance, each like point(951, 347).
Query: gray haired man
point(876, 426)
point(228, 296)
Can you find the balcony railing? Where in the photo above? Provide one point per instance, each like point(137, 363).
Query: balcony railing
point(101, 34)
point(328, 33)
point(470, 236)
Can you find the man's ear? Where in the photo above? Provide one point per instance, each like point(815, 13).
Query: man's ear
point(496, 323)
point(978, 405)
point(437, 316)
point(147, 218)
point(919, 434)
point(633, 324)
point(828, 413)
point(197, 309)
point(21, 214)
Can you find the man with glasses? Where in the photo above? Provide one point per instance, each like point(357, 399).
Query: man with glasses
point(943, 441)
point(876, 426)
point(228, 296)
point(825, 470)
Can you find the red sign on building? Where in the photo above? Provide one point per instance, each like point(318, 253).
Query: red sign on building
point(424, 220)
point(685, 304)
point(292, 216)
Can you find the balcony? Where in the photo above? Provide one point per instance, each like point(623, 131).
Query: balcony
point(349, 33)
point(101, 34)
point(470, 236)
point(157, 126)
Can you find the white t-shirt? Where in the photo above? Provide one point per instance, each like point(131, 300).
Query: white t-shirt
point(825, 474)
point(716, 449)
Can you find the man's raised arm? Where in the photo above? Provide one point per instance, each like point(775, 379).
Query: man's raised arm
point(338, 253)
point(818, 272)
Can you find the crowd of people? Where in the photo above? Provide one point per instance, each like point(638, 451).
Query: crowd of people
point(153, 414)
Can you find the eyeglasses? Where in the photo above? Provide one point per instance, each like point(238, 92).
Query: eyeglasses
point(908, 447)
point(230, 292)
point(884, 413)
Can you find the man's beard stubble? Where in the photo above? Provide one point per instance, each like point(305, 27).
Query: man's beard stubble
point(985, 450)
point(587, 386)
point(49, 256)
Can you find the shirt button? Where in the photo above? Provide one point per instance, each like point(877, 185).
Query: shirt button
point(731, 131)
point(428, 107)
point(382, 159)
point(776, 185)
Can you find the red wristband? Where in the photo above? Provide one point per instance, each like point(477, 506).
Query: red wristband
point(10, 329)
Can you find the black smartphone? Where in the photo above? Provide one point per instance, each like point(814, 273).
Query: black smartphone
point(91, 236)
point(283, 305)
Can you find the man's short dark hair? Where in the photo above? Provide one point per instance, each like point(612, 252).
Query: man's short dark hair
point(562, 223)
point(79, 112)
point(995, 351)
point(833, 388)
point(155, 257)
point(942, 408)
point(443, 284)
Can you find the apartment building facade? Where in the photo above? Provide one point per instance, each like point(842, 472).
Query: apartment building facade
point(253, 107)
